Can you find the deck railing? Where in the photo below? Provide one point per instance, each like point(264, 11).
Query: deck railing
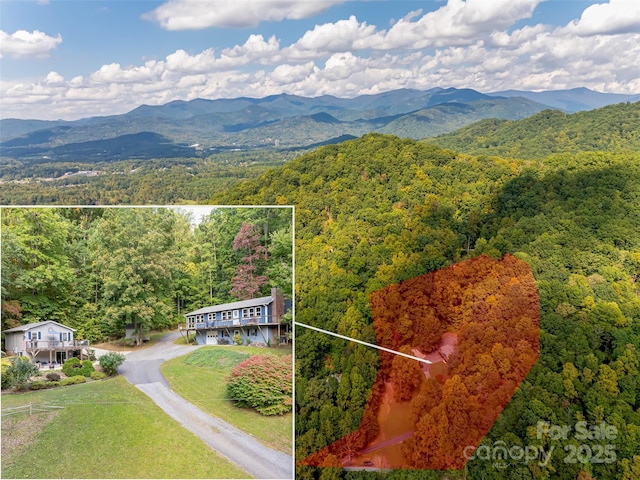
point(55, 344)
point(234, 322)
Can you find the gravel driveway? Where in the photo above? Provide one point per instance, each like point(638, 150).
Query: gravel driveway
point(142, 368)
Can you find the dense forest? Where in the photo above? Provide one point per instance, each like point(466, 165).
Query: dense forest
point(379, 210)
point(98, 269)
point(609, 128)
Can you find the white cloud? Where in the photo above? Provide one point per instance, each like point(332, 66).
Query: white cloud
point(496, 14)
point(255, 49)
point(114, 73)
point(198, 14)
point(457, 23)
point(76, 81)
point(287, 74)
point(615, 17)
point(181, 61)
point(54, 78)
point(27, 44)
point(191, 81)
point(340, 36)
point(341, 66)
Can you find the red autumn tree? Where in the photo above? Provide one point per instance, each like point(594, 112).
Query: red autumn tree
point(246, 282)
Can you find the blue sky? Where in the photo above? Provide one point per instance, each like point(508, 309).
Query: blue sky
point(72, 58)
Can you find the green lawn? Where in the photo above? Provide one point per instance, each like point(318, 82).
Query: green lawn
point(200, 378)
point(108, 429)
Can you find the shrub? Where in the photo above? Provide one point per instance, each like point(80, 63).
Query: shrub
point(73, 380)
point(74, 366)
point(237, 339)
point(54, 377)
point(6, 378)
point(263, 382)
point(19, 372)
point(110, 362)
point(88, 367)
point(37, 385)
point(52, 384)
point(71, 366)
point(98, 375)
point(6, 381)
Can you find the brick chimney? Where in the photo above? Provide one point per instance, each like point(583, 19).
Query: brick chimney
point(278, 304)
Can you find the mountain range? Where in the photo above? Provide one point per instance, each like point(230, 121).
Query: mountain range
point(201, 126)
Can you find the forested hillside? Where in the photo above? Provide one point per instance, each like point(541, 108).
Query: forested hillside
point(378, 210)
point(615, 127)
point(98, 269)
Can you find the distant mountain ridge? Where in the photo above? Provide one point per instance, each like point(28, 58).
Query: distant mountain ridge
point(571, 101)
point(611, 128)
point(192, 128)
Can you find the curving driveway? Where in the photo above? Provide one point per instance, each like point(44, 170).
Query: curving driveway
point(142, 369)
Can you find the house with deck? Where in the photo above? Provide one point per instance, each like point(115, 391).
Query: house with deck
point(254, 320)
point(44, 342)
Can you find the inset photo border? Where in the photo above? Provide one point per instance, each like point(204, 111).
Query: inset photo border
point(174, 322)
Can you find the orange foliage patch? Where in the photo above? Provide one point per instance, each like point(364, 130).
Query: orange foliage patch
point(478, 322)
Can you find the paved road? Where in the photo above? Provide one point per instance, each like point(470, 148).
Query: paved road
point(142, 368)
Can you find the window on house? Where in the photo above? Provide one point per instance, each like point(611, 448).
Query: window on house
point(39, 335)
point(258, 311)
point(226, 315)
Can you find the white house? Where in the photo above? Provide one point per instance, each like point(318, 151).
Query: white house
point(46, 341)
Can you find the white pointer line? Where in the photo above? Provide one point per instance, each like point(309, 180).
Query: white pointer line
point(395, 352)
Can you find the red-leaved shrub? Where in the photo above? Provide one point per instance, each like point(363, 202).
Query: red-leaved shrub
point(263, 382)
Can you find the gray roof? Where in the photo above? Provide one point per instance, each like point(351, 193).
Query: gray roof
point(253, 302)
point(28, 326)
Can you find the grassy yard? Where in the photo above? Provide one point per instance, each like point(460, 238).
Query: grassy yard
point(200, 378)
point(108, 429)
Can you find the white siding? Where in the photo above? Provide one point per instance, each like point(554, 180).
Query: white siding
point(13, 342)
